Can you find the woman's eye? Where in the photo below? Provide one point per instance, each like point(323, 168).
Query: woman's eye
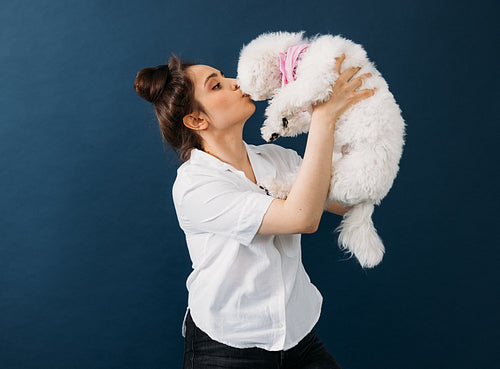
point(218, 84)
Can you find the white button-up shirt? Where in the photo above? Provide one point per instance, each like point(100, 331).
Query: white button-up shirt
point(246, 289)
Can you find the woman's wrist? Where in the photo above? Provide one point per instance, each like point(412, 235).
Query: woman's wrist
point(323, 116)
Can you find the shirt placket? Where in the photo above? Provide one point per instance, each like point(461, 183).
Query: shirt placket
point(281, 298)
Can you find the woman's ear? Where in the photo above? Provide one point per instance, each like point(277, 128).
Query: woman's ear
point(195, 122)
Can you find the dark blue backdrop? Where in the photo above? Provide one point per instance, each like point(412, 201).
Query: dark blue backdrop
point(92, 261)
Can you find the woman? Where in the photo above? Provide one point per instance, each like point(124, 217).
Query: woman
point(251, 303)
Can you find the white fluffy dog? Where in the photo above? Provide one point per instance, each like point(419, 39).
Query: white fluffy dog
point(296, 73)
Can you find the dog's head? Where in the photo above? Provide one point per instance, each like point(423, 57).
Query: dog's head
point(259, 64)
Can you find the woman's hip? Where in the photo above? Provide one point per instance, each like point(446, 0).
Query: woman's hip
point(201, 351)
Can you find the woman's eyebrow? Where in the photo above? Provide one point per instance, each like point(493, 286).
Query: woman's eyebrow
point(212, 75)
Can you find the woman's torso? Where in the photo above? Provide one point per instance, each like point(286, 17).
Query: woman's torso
point(246, 289)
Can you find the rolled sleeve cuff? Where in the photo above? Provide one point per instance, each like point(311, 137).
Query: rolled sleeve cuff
point(254, 208)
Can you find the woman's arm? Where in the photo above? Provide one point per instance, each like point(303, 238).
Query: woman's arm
point(305, 203)
point(303, 207)
point(335, 208)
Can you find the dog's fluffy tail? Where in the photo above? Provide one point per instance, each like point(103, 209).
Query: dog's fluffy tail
point(359, 237)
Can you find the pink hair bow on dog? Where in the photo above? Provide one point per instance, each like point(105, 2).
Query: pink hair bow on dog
point(289, 61)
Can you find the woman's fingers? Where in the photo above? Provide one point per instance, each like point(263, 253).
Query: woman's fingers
point(344, 90)
point(366, 75)
point(363, 94)
point(339, 60)
point(349, 73)
point(359, 80)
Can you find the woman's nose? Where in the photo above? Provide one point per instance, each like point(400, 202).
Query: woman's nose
point(235, 85)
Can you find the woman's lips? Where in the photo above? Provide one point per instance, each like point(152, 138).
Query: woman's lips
point(245, 95)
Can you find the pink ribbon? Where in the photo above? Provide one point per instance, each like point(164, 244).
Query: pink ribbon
point(289, 61)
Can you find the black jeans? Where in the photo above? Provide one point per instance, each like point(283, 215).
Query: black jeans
point(201, 352)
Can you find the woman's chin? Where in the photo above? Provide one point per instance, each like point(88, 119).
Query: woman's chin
point(250, 114)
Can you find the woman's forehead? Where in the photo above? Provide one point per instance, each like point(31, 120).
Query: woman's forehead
point(199, 71)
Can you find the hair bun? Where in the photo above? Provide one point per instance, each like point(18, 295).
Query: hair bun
point(150, 82)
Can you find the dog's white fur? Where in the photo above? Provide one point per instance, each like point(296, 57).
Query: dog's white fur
point(369, 136)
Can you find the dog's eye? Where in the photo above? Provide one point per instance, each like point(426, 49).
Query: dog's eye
point(218, 84)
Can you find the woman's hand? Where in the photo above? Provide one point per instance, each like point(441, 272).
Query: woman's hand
point(344, 94)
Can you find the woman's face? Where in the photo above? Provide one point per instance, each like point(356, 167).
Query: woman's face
point(224, 103)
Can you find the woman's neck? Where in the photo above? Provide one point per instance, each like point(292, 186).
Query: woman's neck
point(232, 152)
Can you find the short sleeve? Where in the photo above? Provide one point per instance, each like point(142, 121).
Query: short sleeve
point(211, 204)
point(287, 159)
point(294, 160)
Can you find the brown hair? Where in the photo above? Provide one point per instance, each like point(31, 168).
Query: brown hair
point(171, 91)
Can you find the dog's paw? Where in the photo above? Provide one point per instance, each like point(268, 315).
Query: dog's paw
point(269, 131)
point(277, 188)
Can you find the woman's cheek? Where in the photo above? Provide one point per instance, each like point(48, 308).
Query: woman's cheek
point(221, 103)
